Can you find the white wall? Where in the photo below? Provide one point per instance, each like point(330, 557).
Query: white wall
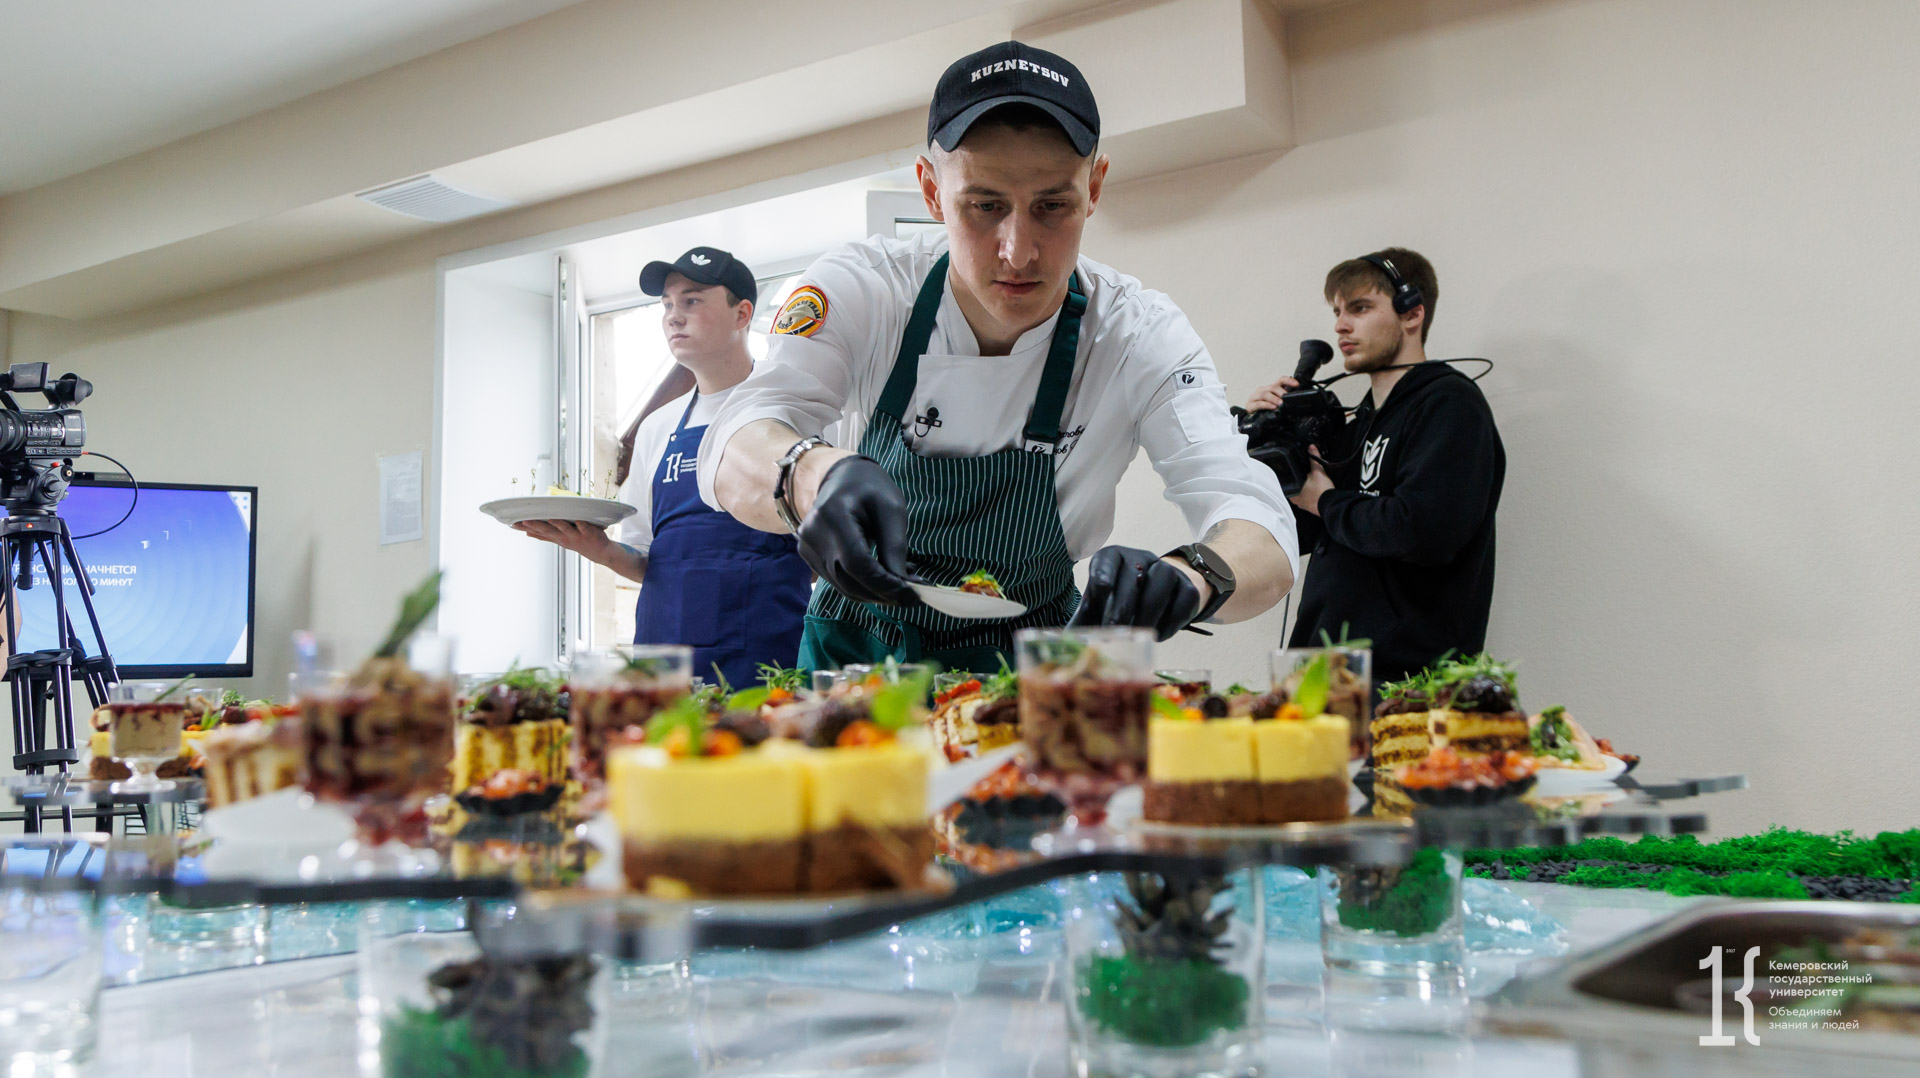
point(498, 414)
point(1681, 231)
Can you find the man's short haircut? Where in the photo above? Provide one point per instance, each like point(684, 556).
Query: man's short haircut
point(1357, 275)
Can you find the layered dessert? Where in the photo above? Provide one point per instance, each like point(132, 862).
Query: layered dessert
point(704, 811)
point(1349, 692)
point(1469, 706)
point(1245, 771)
point(248, 759)
point(381, 737)
point(974, 715)
point(145, 731)
point(1085, 696)
point(512, 733)
point(387, 734)
point(614, 698)
point(102, 767)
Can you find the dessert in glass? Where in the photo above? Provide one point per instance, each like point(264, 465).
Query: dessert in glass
point(1085, 695)
point(615, 694)
point(143, 723)
point(378, 739)
point(1349, 688)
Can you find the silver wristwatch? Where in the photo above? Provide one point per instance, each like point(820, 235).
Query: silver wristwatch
point(783, 486)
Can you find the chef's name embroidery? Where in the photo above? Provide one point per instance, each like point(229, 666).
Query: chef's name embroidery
point(1019, 65)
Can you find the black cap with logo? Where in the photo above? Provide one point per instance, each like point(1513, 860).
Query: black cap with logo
point(705, 265)
point(1012, 73)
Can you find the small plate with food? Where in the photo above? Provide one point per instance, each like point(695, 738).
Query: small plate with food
point(1570, 759)
point(602, 512)
point(978, 596)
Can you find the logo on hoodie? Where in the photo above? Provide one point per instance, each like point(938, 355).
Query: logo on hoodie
point(1371, 455)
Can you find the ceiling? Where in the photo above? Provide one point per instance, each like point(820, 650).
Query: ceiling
point(85, 82)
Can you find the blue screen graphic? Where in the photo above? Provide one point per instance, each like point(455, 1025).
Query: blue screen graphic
point(170, 585)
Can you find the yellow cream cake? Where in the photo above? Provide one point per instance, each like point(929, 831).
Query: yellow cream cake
point(1246, 771)
point(778, 819)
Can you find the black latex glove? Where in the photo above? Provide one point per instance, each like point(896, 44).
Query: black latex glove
point(1126, 586)
point(855, 536)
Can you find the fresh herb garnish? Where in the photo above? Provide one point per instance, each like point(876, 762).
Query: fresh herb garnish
point(792, 679)
point(174, 688)
point(1345, 641)
point(686, 713)
point(1165, 708)
point(1311, 696)
point(892, 706)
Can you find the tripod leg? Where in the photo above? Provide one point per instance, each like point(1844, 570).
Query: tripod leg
point(61, 683)
point(97, 681)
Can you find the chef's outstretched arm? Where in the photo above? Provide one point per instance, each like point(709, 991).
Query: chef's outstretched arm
point(853, 518)
point(1130, 586)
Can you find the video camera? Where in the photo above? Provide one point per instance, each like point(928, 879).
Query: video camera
point(37, 445)
point(1308, 415)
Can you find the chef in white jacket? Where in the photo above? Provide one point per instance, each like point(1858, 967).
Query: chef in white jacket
point(986, 388)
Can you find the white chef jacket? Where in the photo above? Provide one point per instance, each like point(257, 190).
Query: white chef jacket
point(1143, 379)
point(649, 445)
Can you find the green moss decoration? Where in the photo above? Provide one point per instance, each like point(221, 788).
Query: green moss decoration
point(1409, 901)
point(1163, 1003)
point(1891, 854)
point(422, 1044)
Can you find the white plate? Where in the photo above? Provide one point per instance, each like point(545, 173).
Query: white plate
point(967, 604)
point(604, 512)
point(1565, 781)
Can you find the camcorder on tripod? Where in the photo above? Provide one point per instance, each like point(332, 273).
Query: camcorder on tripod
point(1309, 415)
point(37, 447)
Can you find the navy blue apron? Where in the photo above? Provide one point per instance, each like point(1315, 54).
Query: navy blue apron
point(736, 595)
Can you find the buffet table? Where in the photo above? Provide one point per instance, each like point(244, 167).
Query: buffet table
point(875, 1005)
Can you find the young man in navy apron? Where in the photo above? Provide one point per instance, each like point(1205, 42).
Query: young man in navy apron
point(996, 386)
point(734, 594)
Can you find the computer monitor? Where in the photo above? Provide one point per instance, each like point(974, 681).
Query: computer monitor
point(173, 584)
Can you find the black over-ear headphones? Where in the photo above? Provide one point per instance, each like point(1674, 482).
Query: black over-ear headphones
point(1406, 294)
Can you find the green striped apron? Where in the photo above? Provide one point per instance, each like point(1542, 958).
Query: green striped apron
point(964, 514)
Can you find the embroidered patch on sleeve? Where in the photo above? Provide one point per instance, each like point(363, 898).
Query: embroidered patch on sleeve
point(803, 314)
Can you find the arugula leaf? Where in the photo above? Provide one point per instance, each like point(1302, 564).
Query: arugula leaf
point(893, 703)
point(414, 611)
point(749, 699)
point(1311, 696)
point(1002, 685)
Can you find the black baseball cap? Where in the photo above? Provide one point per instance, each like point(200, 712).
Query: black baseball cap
point(1006, 74)
point(707, 265)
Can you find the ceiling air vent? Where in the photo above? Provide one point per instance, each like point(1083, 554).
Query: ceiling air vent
point(428, 199)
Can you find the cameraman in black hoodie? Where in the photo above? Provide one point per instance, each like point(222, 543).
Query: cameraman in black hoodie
point(1400, 521)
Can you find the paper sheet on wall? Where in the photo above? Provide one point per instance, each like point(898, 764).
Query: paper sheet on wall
point(400, 520)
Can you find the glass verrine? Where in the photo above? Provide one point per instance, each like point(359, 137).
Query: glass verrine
point(1393, 942)
point(144, 722)
point(615, 693)
point(1085, 695)
point(378, 739)
point(1187, 686)
point(51, 949)
point(1349, 687)
point(501, 1001)
point(1166, 974)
